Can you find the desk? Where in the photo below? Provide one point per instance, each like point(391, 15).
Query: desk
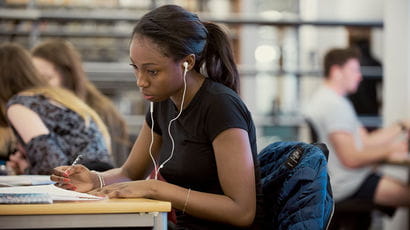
point(405, 162)
point(136, 212)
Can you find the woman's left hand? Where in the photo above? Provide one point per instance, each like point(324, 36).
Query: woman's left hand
point(131, 189)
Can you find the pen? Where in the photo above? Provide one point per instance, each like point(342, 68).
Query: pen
point(74, 162)
point(76, 159)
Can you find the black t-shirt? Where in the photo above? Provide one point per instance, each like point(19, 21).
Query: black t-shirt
point(213, 109)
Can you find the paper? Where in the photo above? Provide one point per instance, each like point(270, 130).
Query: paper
point(56, 194)
point(25, 180)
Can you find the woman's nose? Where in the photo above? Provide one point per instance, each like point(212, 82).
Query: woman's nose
point(142, 82)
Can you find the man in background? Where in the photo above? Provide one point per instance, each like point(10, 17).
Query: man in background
point(353, 150)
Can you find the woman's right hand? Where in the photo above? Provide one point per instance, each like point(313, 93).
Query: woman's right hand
point(75, 177)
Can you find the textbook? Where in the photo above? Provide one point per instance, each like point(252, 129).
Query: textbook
point(42, 194)
point(18, 180)
point(25, 198)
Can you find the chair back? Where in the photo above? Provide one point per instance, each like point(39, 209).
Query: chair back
point(296, 186)
point(312, 131)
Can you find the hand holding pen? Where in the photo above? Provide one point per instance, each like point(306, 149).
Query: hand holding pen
point(66, 174)
point(77, 159)
point(74, 177)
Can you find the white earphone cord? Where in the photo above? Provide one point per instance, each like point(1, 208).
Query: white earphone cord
point(156, 169)
point(152, 138)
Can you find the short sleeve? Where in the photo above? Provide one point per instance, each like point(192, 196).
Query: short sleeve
point(32, 102)
point(224, 113)
point(44, 154)
point(340, 117)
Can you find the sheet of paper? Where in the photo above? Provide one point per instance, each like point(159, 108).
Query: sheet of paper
point(57, 194)
point(25, 180)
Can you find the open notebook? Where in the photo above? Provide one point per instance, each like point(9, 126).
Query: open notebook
point(18, 180)
point(41, 194)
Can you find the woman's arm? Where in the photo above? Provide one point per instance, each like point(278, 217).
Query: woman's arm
point(41, 150)
point(236, 173)
point(137, 166)
point(26, 122)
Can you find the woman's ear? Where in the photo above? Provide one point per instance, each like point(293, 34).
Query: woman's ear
point(190, 62)
point(185, 66)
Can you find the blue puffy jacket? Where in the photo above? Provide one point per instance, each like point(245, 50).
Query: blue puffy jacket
point(296, 186)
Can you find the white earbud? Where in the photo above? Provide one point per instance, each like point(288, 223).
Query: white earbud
point(185, 65)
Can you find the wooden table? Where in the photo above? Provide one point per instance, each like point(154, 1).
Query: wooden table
point(405, 163)
point(137, 212)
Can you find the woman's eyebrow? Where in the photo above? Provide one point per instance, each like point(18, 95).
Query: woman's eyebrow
point(145, 64)
point(148, 64)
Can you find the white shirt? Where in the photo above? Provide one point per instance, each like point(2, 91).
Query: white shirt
point(329, 113)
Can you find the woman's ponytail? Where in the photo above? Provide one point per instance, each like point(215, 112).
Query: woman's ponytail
point(218, 58)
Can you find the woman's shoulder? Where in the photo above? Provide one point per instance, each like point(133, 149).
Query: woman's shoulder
point(24, 98)
point(214, 87)
point(219, 99)
point(219, 93)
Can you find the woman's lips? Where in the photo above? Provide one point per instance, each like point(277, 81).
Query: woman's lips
point(147, 97)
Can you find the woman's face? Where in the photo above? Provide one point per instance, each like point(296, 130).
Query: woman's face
point(158, 77)
point(48, 71)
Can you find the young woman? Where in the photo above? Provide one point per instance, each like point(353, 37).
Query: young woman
point(59, 62)
point(198, 134)
point(52, 125)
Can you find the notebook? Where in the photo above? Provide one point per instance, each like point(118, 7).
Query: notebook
point(30, 194)
point(24, 180)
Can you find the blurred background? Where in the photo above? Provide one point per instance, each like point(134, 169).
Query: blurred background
point(278, 45)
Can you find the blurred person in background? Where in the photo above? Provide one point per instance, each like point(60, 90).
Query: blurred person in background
point(51, 124)
point(353, 150)
point(61, 64)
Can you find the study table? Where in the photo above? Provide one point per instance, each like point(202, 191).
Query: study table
point(110, 213)
point(403, 162)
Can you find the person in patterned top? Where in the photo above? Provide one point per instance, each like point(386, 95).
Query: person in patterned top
point(51, 124)
point(59, 61)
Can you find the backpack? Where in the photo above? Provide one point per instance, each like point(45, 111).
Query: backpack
point(296, 186)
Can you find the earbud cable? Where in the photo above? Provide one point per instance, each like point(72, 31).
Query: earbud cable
point(156, 169)
point(152, 139)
